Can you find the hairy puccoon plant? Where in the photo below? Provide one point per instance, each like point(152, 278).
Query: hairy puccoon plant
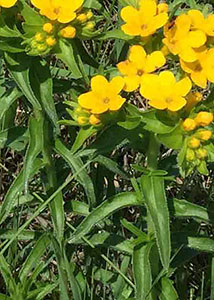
point(107, 150)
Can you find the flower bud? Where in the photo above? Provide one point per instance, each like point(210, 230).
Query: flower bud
point(204, 135)
point(194, 143)
point(189, 124)
point(89, 14)
point(190, 155)
point(82, 120)
point(48, 27)
point(201, 153)
point(192, 100)
point(89, 25)
point(204, 118)
point(82, 18)
point(39, 37)
point(50, 41)
point(163, 7)
point(94, 120)
point(41, 47)
point(68, 32)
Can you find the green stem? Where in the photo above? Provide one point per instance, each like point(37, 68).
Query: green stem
point(153, 152)
point(56, 206)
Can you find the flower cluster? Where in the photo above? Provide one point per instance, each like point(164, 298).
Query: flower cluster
point(189, 37)
point(144, 20)
point(198, 133)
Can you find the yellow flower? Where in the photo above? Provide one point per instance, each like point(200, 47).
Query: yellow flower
point(68, 32)
point(189, 124)
point(7, 3)
point(204, 118)
point(138, 64)
point(204, 135)
point(181, 40)
point(103, 95)
point(200, 22)
point(62, 11)
point(143, 21)
point(163, 92)
point(201, 70)
point(48, 27)
point(194, 143)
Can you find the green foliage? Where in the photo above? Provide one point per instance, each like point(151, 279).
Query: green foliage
point(110, 208)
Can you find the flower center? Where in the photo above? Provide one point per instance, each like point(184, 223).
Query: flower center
point(144, 26)
point(106, 100)
point(140, 72)
point(169, 100)
point(198, 68)
point(56, 10)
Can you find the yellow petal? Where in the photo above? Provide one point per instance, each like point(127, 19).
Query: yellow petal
point(154, 61)
point(200, 79)
point(159, 104)
point(99, 84)
point(131, 29)
point(183, 86)
point(197, 18)
point(86, 100)
point(162, 7)
point(188, 54)
point(129, 14)
point(116, 103)
point(177, 103)
point(160, 20)
point(188, 67)
point(196, 38)
point(127, 68)
point(131, 83)
point(183, 23)
point(137, 54)
point(149, 86)
point(209, 25)
point(7, 3)
point(66, 16)
point(167, 79)
point(116, 85)
point(148, 8)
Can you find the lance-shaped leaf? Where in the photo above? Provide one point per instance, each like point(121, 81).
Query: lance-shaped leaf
point(155, 199)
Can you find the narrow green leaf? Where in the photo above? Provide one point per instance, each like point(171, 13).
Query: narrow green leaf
point(7, 275)
point(120, 283)
point(75, 163)
point(43, 88)
point(34, 257)
point(7, 99)
point(18, 65)
point(68, 55)
point(34, 147)
point(167, 290)
point(186, 209)
point(11, 198)
point(142, 271)
point(155, 199)
point(107, 208)
point(82, 136)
